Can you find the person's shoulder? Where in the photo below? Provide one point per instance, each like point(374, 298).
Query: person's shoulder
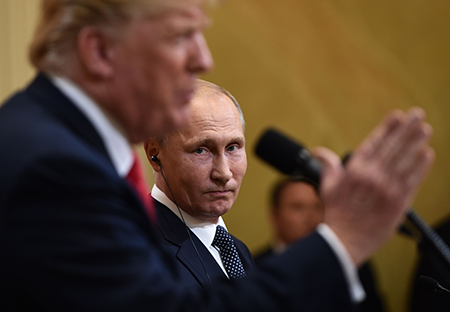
point(263, 253)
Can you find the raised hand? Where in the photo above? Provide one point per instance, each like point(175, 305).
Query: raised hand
point(366, 201)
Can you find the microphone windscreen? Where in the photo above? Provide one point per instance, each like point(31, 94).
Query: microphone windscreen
point(278, 150)
point(287, 155)
point(428, 282)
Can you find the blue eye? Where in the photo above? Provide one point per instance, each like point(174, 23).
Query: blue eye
point(200, 150)
point(232, 148)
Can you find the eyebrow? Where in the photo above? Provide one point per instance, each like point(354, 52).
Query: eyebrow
point(207, 141)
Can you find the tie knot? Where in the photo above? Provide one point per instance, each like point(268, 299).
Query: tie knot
point(222, 239)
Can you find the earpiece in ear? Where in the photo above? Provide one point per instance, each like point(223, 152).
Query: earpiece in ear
point(156, 160)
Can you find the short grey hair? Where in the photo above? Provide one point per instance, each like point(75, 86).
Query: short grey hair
point(202, 86)
point(207, 85)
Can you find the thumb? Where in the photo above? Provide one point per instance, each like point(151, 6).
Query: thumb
point(331, 166)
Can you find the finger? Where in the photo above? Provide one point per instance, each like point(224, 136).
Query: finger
point(331, 166)
point(395, 146)
point(413, 180)
point(404, 159)
point(375, 140)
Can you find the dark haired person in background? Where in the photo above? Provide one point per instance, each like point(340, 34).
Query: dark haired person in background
point(295, 212)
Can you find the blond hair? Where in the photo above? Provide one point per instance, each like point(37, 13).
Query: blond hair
point(54, 42)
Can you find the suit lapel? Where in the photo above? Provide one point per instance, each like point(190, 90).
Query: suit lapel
point(47, 95)
point(54, 101)
point(174, 232)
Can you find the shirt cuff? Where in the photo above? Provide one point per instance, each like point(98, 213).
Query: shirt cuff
point(357, 293)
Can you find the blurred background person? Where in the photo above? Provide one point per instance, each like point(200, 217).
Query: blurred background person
point(295, 211)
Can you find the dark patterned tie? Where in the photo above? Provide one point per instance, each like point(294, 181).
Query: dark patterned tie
point(228, 253)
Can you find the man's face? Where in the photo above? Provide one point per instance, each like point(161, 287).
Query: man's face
point(204, 164)
point(156, 62)
point(299, 211)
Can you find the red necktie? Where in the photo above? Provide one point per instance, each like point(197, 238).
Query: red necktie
point(136, 179)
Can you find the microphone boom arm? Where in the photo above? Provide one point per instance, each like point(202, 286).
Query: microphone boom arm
point(430, 236)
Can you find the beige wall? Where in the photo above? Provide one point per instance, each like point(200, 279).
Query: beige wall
point(324, 72)
point(17, 21)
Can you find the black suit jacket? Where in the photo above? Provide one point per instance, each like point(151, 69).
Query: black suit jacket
point(192, 269)
point(75, 237)
point(431, 264)
point(373, 301)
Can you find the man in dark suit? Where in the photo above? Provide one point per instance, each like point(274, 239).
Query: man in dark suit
point(74, 232)
point(198, 174)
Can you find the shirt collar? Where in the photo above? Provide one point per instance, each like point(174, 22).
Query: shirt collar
point(116, 144)
point(204, 230)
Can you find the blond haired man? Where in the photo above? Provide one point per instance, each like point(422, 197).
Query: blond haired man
point(74, 233)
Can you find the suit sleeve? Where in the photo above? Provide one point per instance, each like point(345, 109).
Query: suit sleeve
point(76, 240)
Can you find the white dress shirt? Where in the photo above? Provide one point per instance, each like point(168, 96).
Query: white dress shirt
point(117, 146)
point(204, 230)
point(357, 292)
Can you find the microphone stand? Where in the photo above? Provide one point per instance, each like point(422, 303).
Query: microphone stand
point(430, 236)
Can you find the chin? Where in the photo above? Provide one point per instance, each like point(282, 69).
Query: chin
point(221, 211)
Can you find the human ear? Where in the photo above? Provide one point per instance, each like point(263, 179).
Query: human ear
point(95, 51)
point(151, 150)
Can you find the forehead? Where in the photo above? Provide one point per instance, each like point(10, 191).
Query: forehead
point(299, 190)
point(212, 115)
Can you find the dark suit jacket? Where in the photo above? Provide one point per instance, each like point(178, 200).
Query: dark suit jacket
point(373, 301)
point(431, 264)
point(75, 237)
point(176, 238)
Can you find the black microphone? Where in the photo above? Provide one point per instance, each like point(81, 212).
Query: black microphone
point(431, 284)
point(288, 156)
point(293, 159)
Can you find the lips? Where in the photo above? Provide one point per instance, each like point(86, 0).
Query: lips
point(220, 192)
point(184, 98)
point(188, 95)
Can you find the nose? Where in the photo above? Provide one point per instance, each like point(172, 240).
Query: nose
point(221, 172)
point(202, 60)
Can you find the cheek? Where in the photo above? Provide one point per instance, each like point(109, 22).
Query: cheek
point(167, 70)
point(162, 119)
point(192, 171)
point(239, 168)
